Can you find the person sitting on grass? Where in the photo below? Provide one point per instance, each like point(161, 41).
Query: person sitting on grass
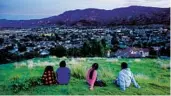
point(125, 77)
point(48, 77)
point(63, 74)
point(92, 77)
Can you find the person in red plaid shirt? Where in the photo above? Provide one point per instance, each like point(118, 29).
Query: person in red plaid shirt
point(49, 77)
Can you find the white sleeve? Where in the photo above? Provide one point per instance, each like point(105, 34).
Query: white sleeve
point(134, 82)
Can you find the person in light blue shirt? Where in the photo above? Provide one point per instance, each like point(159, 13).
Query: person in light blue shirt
point(125, 78)
point(63, 74)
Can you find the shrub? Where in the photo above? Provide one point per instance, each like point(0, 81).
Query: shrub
point(104, 73)
point(58, 51)
point(78, 71)
point(141, 76)
point(17, 84)
point(165, 66)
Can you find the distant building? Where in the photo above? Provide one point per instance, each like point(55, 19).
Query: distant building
point(108, 53)
point(44, 53)
point(133, 52)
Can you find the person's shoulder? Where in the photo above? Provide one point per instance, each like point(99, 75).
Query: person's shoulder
point(121, 71)
point(95, 71)
point(66, 68)
point(57, 69)
point(128, 70)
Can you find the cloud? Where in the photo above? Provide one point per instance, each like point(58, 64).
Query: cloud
point(55, 7)
point(153, 3)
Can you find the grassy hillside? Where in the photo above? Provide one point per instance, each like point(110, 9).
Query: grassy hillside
point(153, 75)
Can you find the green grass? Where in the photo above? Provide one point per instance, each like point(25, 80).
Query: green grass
point(153, 78)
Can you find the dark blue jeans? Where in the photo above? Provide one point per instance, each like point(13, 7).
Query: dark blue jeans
point(115, 82)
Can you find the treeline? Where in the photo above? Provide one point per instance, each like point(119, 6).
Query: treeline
point(90, 48)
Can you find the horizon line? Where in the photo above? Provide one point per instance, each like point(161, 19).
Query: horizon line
point(72, 10)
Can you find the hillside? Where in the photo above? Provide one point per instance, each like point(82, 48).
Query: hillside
point(133, 15)
point(22, 78)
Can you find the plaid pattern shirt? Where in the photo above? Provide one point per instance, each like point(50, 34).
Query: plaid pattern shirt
point(49, 78)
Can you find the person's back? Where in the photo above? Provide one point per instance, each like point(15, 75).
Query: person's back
point(92, 80)
point(125, 77)
point(91, 77)
point(63, 74)
point(48, 77)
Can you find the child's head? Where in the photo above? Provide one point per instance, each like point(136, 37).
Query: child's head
point(62, 64)
point(124, 65)
point(95, 66)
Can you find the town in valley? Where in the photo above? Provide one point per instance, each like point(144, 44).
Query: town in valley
point(119, 41)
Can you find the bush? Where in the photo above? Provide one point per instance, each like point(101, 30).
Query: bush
point(58, 51)
point(78, 71)
point(165, 66)
point(105, 73)
point(18, 84)
point(93, 48)
point(30, 55)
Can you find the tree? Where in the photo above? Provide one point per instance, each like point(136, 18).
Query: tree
point(86, 49)
point(103, 41)
point(58, 51)
point(30, 55)
point(152, 52)
point(115, 43)
point(1, 40)
point(93, 48)
point(74, 52)
point(22, 48)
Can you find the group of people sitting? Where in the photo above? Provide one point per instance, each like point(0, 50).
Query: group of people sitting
point(62, 76)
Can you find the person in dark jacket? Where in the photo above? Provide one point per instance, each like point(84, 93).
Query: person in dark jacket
point(48, 77)
point(63, 74)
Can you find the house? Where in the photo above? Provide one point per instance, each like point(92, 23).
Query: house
point(44, 52)
point(133, 52)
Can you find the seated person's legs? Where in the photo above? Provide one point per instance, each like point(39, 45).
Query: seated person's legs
point(100, 83)
point(115, 83)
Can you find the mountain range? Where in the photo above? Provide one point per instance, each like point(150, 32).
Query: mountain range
point(133, 15)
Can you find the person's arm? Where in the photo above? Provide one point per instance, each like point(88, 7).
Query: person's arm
point(44, 76)
point(134, 82)
point(57, 76)
point(121, 81)
point(93, 79)
point(69, 74)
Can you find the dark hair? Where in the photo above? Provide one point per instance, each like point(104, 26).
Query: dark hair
point(94, 67)
point(48, 68)
point(62, 64)
point(124, 65)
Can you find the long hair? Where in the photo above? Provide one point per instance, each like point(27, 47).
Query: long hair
point(94, 67)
